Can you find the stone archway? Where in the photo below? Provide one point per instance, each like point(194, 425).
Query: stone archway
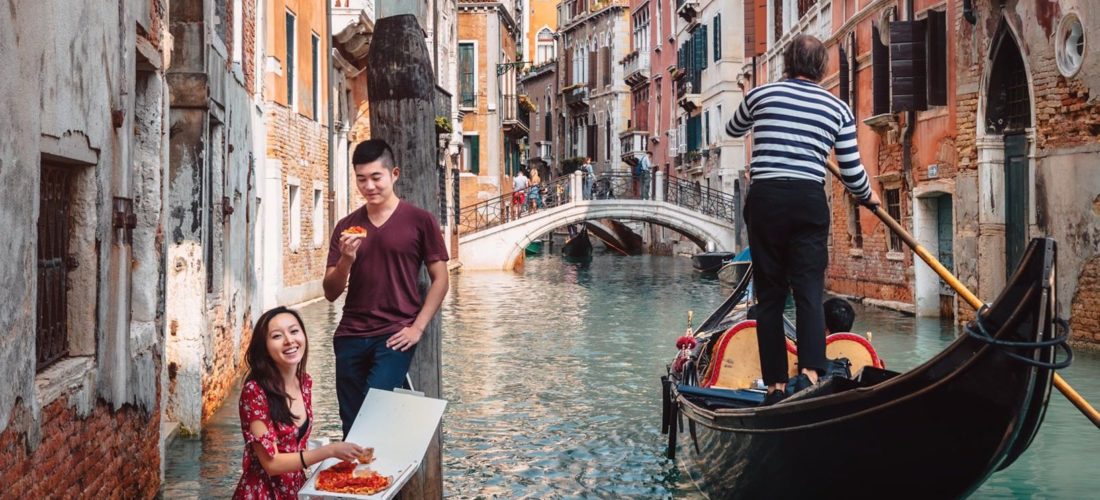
point(1005, 144)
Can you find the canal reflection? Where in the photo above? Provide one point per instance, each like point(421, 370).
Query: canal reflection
point(552, 382)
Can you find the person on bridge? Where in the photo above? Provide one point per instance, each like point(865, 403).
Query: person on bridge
point(519, 193)
point(534, 193)
point(589, 176)
point(645, 168)
point(795, 125)
point(384, 315)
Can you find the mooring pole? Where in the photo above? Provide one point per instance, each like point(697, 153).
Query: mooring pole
point(401, 89)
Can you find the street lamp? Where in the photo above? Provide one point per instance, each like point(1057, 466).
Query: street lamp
point(503, 68)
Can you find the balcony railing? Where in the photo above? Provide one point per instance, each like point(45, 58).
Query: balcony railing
point(636, 68)
point(688, 90)
point(576, 96)
point(517, 118)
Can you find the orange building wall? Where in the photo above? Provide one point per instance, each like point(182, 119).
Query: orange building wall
point(544, 13)
point(310, 16)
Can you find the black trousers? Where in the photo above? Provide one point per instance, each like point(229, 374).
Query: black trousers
point(788, 225)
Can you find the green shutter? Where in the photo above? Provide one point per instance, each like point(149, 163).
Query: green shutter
point(717, 37)
point(475, 155)
point(700, 49)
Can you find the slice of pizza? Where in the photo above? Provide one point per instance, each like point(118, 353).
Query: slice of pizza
point(355, 231)
point(345, 478)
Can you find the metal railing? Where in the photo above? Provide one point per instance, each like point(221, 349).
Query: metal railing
point(694, 196)
point(607, 186)
point(505, 208)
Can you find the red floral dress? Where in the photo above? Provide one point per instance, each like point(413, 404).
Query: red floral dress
point(255, 483)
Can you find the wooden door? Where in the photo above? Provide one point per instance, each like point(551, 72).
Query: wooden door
point(1016, 200)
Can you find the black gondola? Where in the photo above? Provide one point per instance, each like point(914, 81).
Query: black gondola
point(936, 431)
point(579, 247)
point(711, 262)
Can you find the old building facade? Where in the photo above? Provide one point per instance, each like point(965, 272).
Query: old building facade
point(213, 199)
point(540, 85)
point(487, 99)
point(82, 317)
point(296, 166)
point(594, 37)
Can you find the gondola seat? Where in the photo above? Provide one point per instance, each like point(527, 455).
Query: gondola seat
point(735, 361)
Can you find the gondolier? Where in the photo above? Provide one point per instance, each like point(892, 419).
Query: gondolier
point(795, 124)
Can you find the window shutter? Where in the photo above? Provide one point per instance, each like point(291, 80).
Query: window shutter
point(569, 67)
point(880, 67)
point(592, 66)
point(853, 73)
point(717, 37)
point(750, 28)
point(701, 49)
point(843, 74)
point(475, 154)
point(591, 142)
point(937, 58)
point(606, 65)
point(761, 25)
point(908, 66)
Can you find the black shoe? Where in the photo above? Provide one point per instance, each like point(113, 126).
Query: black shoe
point(773, 397)
point(798, 383)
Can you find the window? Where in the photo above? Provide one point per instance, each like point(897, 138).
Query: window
point(607, 139)
point(1069, 45)
point(290, 60)
point(855, 232)
point(471, 153)
point(893, 207)
point(318, 218)
point(641, 30)
point(544, 47)
point(706, 128)
point(467, 67)
point(316, 51)
point(238, 32)
point(605, 55)
point(660, 12)
point(937, 58)
point(295, 222)
point(717, 37)
point(54, 219)
point(847, 72)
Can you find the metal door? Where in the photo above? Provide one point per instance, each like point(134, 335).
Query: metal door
point(1016, 200)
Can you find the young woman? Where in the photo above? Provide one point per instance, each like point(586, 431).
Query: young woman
point(276, 411)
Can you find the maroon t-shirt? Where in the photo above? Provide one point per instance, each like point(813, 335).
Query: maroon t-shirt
point(383, 296)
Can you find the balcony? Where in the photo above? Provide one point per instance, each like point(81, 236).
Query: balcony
point(517, 115)
point(688, 10)
point(352, 27)
point(636, 68)
point(545, 152)
point(576, 97)
point(687, 91)
point(633, 145)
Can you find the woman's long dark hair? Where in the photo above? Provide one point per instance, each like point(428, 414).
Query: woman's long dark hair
point(262, 369)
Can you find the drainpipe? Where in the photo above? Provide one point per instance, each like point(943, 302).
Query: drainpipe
point(331, 119)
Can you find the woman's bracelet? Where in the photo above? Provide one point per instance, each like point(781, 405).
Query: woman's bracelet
point(302, 457)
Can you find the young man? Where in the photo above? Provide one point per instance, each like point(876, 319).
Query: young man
point(384, 315)
point(795, 125)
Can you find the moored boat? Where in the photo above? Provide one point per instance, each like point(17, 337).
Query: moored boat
point(936, 431)
point(533, 248)
point(578, 248)
point(709, 262)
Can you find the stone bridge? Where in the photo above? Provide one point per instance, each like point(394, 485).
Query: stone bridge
point(492, 234)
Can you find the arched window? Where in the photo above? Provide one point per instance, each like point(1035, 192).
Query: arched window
point(544, 46)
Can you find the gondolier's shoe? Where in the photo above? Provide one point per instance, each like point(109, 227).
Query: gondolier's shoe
point(798, 383)
point(773, 397)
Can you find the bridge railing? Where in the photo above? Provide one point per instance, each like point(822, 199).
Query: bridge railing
point(505, 208)
point(607, 186)
point(694, 196)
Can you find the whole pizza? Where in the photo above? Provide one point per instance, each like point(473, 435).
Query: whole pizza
point(343, 478)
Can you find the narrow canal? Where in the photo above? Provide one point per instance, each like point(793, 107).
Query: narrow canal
point(552, 379)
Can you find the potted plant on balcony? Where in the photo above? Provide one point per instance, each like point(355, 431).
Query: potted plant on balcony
point(443, 125)
point(692, 156)
point(526, 104)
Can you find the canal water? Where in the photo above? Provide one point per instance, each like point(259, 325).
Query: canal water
point(552, 381)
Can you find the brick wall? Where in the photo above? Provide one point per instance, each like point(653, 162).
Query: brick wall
point(248, 38)
point(229, 355)
point(1085, 314)
point(108, 454)
point(301, 144)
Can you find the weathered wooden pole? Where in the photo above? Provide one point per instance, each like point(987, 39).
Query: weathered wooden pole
point(401, 87)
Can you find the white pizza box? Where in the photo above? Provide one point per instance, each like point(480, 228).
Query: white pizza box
point(399, 426)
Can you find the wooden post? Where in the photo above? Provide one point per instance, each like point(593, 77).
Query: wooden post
point(401, 87)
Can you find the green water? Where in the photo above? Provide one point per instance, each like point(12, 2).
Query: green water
point(552, 379)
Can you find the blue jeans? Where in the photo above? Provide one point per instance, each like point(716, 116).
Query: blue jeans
point(362, 364)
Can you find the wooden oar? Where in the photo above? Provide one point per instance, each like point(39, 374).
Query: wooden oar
point(1072, 395)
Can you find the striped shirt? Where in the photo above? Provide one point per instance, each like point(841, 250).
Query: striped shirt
point(795, 124)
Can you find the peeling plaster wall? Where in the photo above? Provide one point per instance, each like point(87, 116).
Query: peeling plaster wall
point(70, 71)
